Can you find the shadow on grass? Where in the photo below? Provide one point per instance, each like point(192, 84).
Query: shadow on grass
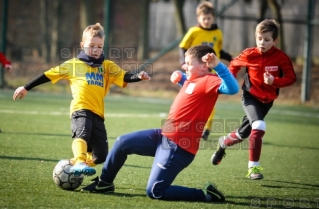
point(298, 147)
point(118, 194)
point(295, 183)
point(27, 158)
point(136, 166)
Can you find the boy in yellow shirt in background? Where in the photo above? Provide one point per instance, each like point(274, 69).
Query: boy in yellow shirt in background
point(90, 77)
point(206, 32)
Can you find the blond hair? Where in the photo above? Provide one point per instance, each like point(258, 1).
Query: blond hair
point(95, 30)
point(268, 25)
point(205, 8)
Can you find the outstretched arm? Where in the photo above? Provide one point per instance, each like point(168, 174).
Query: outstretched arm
point(21, 91)
point(131, 78)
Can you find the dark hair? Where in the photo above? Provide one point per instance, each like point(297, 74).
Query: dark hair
point(268, 25)
point(205, 8)
point(199, 51)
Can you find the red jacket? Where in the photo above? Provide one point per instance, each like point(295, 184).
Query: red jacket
point(4, 60)
point(275, 61)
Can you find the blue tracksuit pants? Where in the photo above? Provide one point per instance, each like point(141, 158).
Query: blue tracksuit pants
point(169, 161)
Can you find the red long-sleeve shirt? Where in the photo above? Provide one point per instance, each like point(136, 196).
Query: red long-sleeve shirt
point(275, 61)
point(3, 60)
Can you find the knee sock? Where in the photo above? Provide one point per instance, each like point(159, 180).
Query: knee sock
point(255, 143)
point(231, 139)
point(79, 148)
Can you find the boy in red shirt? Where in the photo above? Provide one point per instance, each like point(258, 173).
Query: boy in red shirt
point(267, 70)
point(175, 145)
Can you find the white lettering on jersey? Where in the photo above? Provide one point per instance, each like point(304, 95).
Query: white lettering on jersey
point(190, 88)
point(271, 68)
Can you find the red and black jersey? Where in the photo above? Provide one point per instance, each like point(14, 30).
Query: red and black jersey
point(275, 61)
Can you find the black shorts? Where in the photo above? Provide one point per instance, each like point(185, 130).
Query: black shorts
point(90, 127)
point(255, 110)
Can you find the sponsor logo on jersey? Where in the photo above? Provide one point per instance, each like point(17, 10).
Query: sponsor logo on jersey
point(95, 79)
point(271, 68)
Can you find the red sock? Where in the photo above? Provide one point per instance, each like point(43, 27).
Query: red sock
point(232, 139)
point(255, 141)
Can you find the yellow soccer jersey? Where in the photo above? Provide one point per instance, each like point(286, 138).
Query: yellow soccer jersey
point(197, 36)
point(89, 85)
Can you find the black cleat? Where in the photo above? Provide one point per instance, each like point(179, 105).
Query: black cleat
point(218, 155)
point(99, 186)
point(211, 189)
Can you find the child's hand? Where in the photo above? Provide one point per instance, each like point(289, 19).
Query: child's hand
point(211, 60)
point(144, 76)
point(8, 68)
point(268, 78)
point(176, 76)
point(19, 93)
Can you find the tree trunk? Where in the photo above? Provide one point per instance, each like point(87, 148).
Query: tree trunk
point(44, 35)
point(54, 31)
point(276, 10)
point(274, 6)
point(143, 46)
point(86, 13)
point(179, 17)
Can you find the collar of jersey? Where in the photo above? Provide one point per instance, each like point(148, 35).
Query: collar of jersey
point(91, 61)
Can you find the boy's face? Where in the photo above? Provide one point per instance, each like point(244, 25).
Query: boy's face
point(264, 41)
point(93, 46)
point(194, 68)
point(205, 20)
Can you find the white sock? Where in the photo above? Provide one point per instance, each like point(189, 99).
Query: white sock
point(252, 164)
point(221, 142)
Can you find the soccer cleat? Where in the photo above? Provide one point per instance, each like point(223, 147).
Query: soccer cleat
point(219, 154)
point(254, 173)
point(205, 134)
point(98, 186)
point(82, 168)
point(211, 189)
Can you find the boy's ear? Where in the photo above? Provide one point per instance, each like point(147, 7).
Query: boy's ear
point(276, 40)
point(81, 44)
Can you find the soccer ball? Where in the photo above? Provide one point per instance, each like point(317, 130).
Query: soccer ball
point(63, 178)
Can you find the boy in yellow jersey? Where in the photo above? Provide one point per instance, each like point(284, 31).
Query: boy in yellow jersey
point(90, 77)
point(208, 33)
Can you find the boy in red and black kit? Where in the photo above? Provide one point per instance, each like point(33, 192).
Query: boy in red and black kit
point(267, 70)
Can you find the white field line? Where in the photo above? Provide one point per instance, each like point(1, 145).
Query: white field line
point(128, 115)
point(122, 115)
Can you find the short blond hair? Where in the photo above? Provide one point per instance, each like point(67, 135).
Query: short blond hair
point(269, 25)
point(95, 30)
point(205, 8)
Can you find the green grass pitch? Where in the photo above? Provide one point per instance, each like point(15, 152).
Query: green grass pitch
point(36, 135)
